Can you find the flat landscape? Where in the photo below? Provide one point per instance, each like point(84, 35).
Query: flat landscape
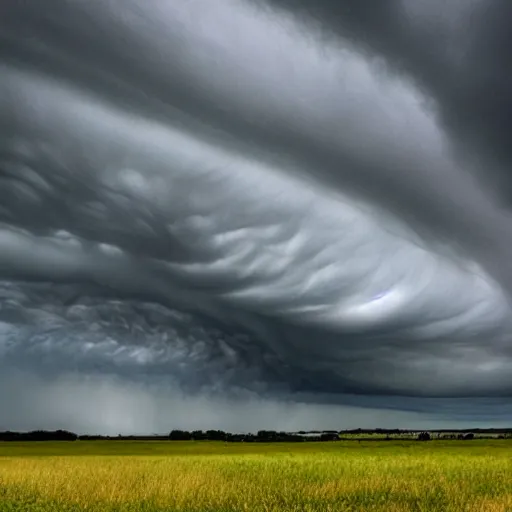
point(151, 476)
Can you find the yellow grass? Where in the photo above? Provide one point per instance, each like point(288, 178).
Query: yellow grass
point(452, 476)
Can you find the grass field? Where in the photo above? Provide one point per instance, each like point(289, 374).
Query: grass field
point(395, 476)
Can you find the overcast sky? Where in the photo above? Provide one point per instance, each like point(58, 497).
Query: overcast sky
point(246, 214)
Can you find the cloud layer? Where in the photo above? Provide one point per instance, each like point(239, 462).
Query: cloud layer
point(231, 207)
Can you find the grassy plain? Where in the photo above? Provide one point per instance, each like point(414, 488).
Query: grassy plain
point(390, 476)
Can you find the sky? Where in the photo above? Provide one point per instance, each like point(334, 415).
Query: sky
point(255, 214)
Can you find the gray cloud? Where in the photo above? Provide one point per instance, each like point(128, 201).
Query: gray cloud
point(455, 52)
point(289, 209)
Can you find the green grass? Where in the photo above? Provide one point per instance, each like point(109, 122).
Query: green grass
point(397, 476)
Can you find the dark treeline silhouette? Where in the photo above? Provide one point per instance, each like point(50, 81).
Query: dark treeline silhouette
point(262, 436)
point(39, 435)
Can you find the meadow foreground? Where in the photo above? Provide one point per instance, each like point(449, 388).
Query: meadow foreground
point(397, 476)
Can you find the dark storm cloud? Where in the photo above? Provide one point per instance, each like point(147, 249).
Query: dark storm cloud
point(457, 51)
point(228, 206)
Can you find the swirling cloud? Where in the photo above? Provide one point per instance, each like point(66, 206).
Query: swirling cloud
point(231, 206)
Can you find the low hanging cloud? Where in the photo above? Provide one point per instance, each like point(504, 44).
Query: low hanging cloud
point(249, 214)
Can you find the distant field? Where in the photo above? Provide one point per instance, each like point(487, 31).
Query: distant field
point(396, 476)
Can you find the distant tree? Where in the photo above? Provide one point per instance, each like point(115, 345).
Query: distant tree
point(180, 435)
point(198, 435)
point(235, 438)
point(424, 436)
point(266, 436)
point(216, 435)
point(329, 437)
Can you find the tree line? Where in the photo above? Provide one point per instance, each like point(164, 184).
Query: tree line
point(265, 436)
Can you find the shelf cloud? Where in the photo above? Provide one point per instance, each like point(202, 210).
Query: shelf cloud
point(254, 214)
